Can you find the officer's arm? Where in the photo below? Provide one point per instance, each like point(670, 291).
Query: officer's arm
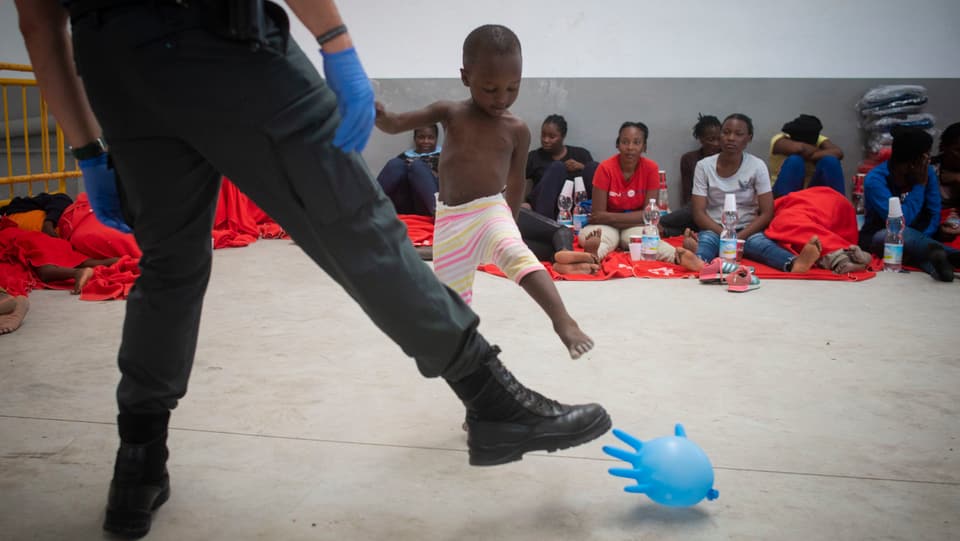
point(319, 16)
point(43, 24)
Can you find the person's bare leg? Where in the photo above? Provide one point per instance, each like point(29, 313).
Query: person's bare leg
point(11, 321)
point(53, 273)
point(540, 286)
point(808, 256)
point(99, 262)
point(690, 240)
point(689, 260)
point(591, 243)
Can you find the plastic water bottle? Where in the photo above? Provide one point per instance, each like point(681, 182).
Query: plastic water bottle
point(858, 201)
point(579, 198)
point(663, 195)
point(650, 242)
point(728, 237)
point(893, 245)
point(565, 204)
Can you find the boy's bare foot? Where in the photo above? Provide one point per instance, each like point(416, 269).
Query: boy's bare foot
point(689, 260)
point(576, 341)
point(570, 256)
point(11, 321)
point(82, 276)
point(591, 244)
point(576, 268)
point(7, 303)
point(690, 240)
point(808, 256)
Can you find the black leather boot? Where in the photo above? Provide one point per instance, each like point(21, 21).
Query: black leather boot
point(140, 482)
point(506, 419)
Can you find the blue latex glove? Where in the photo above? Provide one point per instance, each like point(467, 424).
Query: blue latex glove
point(350, 83)
point(100, 181)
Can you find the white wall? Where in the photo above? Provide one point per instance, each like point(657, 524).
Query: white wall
point(678, 38)
point(642, 38)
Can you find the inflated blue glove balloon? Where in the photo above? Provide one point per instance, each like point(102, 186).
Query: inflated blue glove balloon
point(671, 470)
point(100, 181)
point(350, 83)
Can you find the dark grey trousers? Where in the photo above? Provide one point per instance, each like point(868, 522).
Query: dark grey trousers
point(180, 106)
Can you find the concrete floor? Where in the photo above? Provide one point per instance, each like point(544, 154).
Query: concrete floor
point(829, 410)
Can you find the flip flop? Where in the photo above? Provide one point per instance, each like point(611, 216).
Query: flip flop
point(742, 280)
point(715, 271)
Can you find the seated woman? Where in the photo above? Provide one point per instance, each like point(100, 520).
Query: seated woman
point(734, 171)
point(800, 157)
point(707, 132)
point(622, 185)
point(410, 179)
point(555, 162)
point(909, 176)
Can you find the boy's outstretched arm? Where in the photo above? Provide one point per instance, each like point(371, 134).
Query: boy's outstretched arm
point(516, 177)
point(434, 113)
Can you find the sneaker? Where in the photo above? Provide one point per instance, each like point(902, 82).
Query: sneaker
point(742, 280)
point(505, 420)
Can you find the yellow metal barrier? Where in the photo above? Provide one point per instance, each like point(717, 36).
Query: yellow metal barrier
point(23, 173)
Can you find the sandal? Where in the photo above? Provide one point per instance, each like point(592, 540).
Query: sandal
point(742, 280)
point(715, 271)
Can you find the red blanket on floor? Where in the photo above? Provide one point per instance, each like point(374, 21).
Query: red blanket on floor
point(239, 221)
point(88, 236)
point(619, 265)
point(816, 211)
point(23, 251)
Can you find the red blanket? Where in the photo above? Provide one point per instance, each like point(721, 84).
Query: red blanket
point(419, 228)
point(815, 211)
point(88, 236)
point(239, 221)
point(113, 282)
point(21, 252)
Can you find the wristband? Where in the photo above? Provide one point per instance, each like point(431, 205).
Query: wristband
point(330, 34)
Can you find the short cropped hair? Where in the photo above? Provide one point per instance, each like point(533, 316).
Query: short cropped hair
point(492, 39)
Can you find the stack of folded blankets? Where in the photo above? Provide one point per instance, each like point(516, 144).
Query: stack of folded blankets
point(884, 107)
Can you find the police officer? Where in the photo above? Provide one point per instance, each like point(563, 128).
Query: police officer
point(189, 90)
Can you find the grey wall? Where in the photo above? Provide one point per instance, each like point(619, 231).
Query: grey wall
point(595, 108)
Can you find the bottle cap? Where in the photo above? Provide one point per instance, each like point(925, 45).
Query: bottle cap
point(730, 202)
point(567, 190)
point(578, 185)
point(895, 210)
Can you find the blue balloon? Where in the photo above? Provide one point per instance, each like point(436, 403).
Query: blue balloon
point(671, 470)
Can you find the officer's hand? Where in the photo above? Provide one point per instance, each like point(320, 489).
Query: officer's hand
point(100, 181)
point(349, 82)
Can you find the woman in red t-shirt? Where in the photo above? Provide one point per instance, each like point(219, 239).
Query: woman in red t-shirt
point(622, 186)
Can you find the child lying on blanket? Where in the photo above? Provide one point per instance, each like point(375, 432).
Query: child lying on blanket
point(484, 152)
point(49, 259)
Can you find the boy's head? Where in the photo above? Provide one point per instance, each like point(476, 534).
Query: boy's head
point(425, 139)
point(492, 67)
point(911, 152)
point(804, 128)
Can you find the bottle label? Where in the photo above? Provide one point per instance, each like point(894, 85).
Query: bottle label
point(565, 222)
point(892, 254)
point(650, 245)
point(579, 221)
point(728, 249)
point(860, 220)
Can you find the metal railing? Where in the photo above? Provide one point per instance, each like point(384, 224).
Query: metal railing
point(24, 175)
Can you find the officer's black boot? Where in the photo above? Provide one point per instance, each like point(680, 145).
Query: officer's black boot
point(140, 483)
point(506, 420)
